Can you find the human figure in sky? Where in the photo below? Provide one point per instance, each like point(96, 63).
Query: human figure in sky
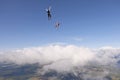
point(57, 25)
point(49, 13)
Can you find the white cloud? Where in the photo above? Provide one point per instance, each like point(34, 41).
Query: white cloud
point(78, 39)
point(60, 57)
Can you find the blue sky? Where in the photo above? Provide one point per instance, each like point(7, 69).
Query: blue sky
point(90, 23)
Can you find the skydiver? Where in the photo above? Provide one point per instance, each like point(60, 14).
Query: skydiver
point(57, 25)
point(49, 13)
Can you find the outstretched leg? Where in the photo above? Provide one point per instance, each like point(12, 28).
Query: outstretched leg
point(49, 16)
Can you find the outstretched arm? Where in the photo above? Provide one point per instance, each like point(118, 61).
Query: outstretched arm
point(49, 8)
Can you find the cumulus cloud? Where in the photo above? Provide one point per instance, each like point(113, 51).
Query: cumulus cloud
point(69, 58)
point(54, 55)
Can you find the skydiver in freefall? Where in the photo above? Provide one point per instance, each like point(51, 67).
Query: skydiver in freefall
point(57, 25)
point(49, 13)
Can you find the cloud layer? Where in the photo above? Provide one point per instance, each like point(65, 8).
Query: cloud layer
point(56, 56)
point(64, 58)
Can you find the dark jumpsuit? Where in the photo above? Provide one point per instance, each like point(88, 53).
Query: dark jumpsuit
point(49, 15)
